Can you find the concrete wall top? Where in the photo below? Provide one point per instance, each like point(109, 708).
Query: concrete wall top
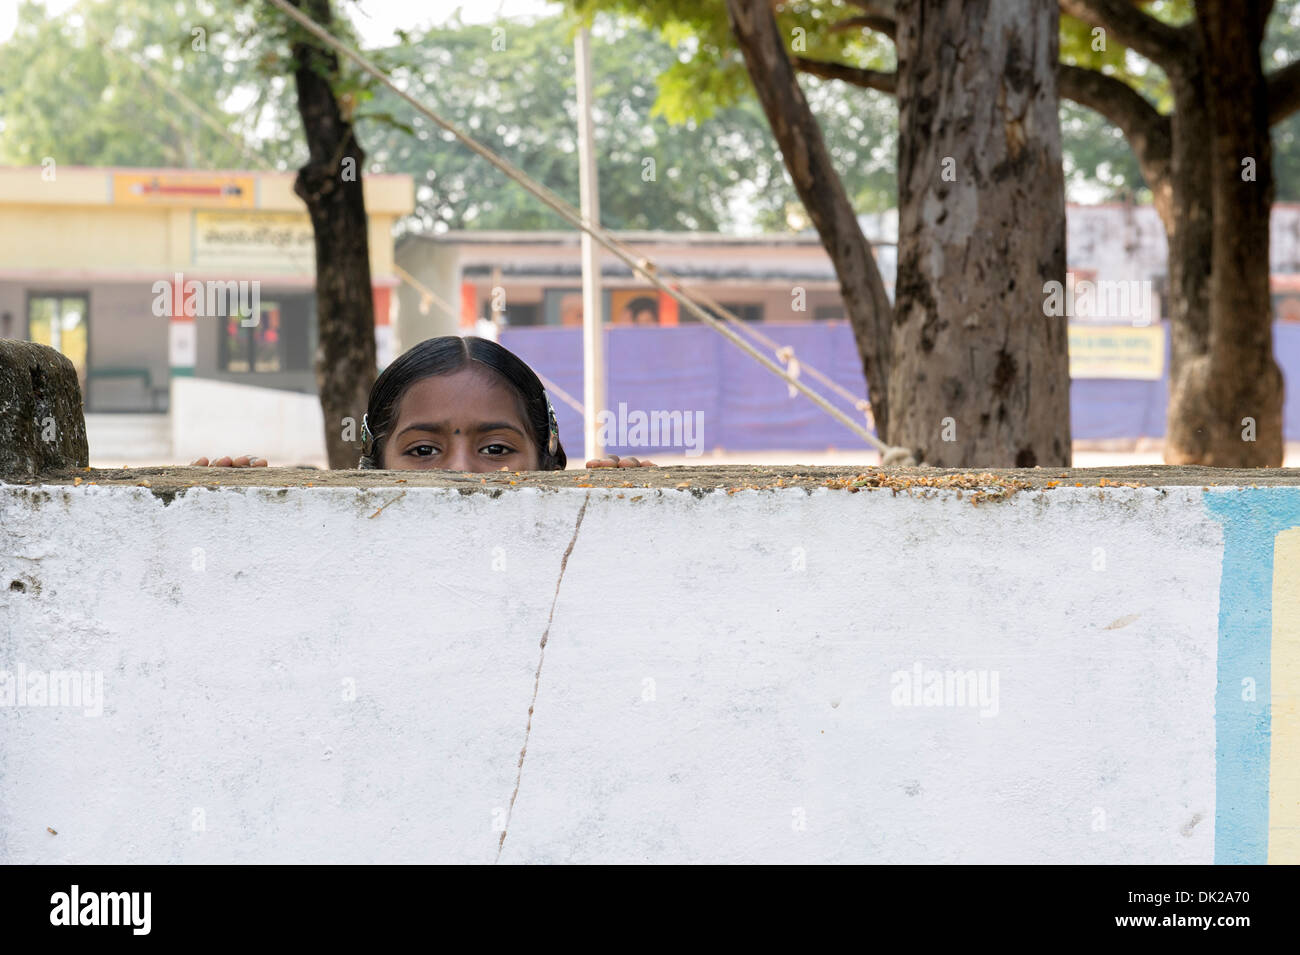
point(697, 479)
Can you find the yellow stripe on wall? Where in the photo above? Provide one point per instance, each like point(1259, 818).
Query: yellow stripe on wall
point(1284, 756)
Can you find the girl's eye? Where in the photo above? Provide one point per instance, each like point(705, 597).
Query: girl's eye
point(496, 450)
point(422, 450)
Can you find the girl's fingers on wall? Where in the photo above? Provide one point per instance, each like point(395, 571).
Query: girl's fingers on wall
point(243, 461)
point(614, 461)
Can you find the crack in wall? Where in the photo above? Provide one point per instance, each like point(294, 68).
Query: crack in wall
point(393, 501)
point(537, 677)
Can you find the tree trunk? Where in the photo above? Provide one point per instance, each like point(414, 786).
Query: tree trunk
point(819, 187)
point(1189, 231)
point(330, 184)
point(979, 374)
point(1238, 385)
point(1176, 156)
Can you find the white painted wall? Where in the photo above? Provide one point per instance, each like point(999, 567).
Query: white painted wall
point(716, 686)
point(138, 439)
point(282, 426)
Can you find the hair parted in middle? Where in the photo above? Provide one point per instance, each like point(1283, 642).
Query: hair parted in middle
point(444, 356)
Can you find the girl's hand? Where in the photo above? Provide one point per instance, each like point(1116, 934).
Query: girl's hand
point(614, 461)
point(243, 461)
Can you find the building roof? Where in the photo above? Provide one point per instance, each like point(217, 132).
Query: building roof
point(572, 237)
point(214, 189)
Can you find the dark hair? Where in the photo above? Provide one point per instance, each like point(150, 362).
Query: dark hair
point(643, 303)
point(442, 356)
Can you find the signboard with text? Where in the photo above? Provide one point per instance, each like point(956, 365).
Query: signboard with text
point(215, 190)
point(277, 241)
point(1117, 351)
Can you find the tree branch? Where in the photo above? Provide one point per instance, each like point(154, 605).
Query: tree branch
point(1148, 132)
point(1283, 92)
point(879, 24)
point(867, 79)
point(1157, 41)
point(884, 9)
point(818, 184)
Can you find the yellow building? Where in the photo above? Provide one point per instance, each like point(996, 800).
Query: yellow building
point(82, 253)
point(142, 276)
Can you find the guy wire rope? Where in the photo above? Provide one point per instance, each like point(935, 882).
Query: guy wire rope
point(888, 455)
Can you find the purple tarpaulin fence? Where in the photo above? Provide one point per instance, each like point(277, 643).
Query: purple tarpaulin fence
point(690, 368)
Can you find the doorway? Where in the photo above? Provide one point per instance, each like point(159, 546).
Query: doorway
point(62, 321)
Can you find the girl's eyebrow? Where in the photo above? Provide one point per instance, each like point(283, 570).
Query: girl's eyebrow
point(499, 426)
point(441, 427)
point(437, 428)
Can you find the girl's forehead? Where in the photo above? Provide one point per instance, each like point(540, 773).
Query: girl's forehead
point(469, 395)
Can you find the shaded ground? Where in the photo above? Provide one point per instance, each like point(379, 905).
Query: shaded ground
point(725, 477)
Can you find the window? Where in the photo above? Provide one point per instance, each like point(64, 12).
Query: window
point(1286, 306)
point(283, 340)
point(634, 307)
point(562, 306)
point(252, 348)
point(744, 312)
point(515, 314)
point(60, 321)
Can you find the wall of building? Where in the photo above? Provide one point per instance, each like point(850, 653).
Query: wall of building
point(126, 334)
point(755, 270)
point(60, 223)
point(437, 267)
point(1107, 242)
point(344, 674)
point(127, 343)
point(116, 233)
point(298, 325)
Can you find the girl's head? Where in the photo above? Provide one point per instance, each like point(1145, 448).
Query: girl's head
point(460, 404)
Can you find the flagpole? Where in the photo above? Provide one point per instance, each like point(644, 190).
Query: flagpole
point(593, 339)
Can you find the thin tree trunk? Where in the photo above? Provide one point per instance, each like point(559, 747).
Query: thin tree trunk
point(330, 184)
point(1239, 378)
point(979, 374)
point(819, 187)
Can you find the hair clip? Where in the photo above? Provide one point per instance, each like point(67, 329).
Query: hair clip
point(553, 441)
